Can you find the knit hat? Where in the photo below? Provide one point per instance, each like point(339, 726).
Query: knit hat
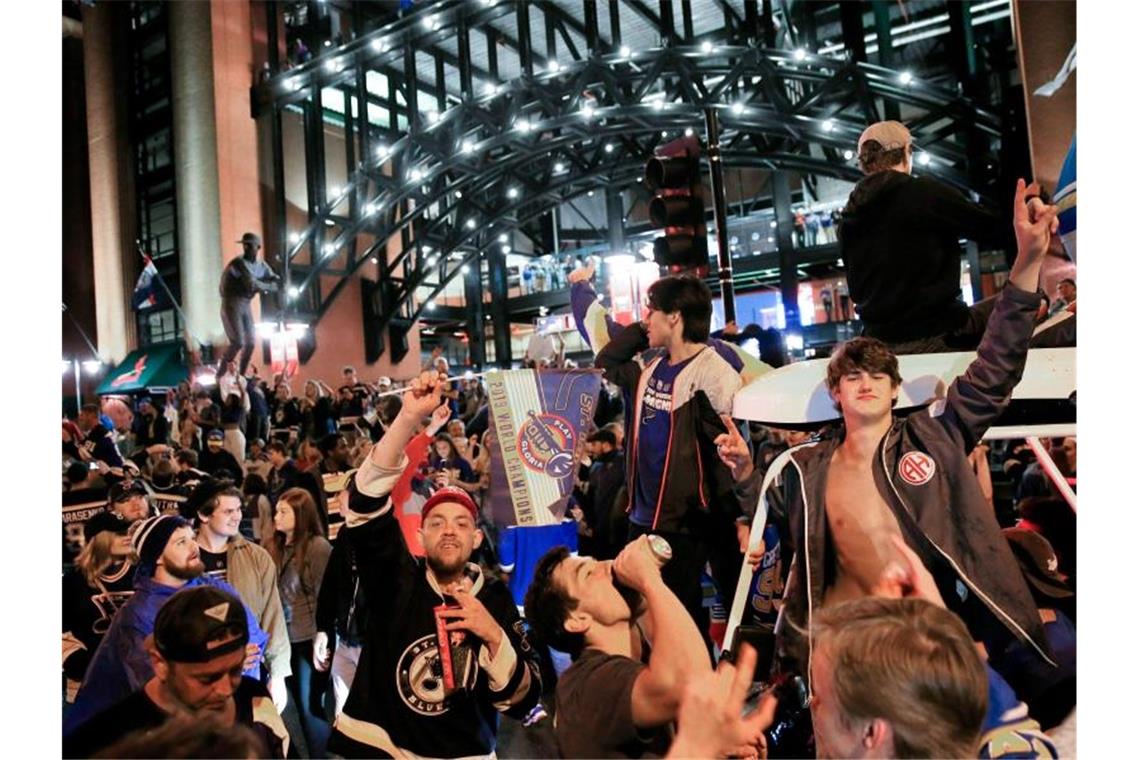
point(200, 623)
point(889, 134)
point(150, 537)
point(450, 495)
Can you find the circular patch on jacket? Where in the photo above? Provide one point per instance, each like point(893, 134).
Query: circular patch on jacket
point(916, 468)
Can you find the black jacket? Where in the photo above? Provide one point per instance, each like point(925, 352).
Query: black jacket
point(899, 240)
point(341, 609)
point(695, 484)
point(945, 518)
point(398, 701)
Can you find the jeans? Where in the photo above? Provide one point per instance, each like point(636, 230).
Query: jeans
point(306, 689)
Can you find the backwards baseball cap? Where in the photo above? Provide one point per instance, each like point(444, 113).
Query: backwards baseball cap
point(1038, 562)
point(125, 489)
point(150, 536)
point(450, 495)
point(251, 237)
point(200, 623)
point(104, 521)
point(889, 134)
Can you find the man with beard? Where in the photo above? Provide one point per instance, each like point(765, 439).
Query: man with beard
point(197, 652)
point(243, 278)
point(168, 560)
point(445, 650)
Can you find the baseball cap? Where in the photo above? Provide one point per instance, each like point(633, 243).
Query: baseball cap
point(200, 623)
point(1038, 562)
point(251, 237)
point(889, 134)
point(452, 495)
point(384, 381)
point(104, 521)
point(124, 490)
point(215, 435)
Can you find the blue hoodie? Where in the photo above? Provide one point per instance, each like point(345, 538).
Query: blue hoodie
point(121, 665)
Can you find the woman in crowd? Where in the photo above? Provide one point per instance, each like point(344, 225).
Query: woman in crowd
point(101, 582)
point(301, 552)
point(446, 460)
point(317, 419)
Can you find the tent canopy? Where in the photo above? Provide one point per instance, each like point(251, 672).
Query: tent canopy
point(150, 367)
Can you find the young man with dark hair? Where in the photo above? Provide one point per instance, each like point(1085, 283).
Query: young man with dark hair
point(227, 556)
point(899, 239)
point(197, 654)
point(677, 486)
point(445, 650)
point(98, 444)
point(610, 703)
point(850, 494)
point(188, 475)
point(216, 461)
point(286, 474)
point(168, 560)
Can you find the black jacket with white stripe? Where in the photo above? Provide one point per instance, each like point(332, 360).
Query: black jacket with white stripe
point(398, 701)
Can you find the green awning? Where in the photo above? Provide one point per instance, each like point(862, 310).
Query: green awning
point(150, 367)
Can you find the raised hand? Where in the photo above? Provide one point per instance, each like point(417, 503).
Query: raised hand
point(582, 274)
point(424, 394)
point(439, 418)
point(1033, 224)
point(733, 450)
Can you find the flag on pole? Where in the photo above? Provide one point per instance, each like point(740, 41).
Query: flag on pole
point(148, 295)
point(536, 435)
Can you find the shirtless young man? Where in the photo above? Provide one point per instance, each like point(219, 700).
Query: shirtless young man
point(876, 476)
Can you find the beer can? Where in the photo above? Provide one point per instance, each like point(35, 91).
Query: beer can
point(662, 552)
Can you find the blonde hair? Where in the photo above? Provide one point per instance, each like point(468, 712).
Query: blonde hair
point(96, 556)
point(911, 663)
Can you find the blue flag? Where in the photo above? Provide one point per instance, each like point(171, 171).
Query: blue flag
point(538, 423)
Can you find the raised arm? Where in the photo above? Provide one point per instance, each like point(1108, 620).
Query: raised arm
point(979, 395)
point(618, 359)
point(678, 654)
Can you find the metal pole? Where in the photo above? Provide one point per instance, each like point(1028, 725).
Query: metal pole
point(1050, 468)
point(78, 395)
point(716, 171)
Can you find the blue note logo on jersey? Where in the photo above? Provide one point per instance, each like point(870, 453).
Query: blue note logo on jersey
point(546, 444)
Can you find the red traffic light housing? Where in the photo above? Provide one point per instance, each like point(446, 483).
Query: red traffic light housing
point(674, 174)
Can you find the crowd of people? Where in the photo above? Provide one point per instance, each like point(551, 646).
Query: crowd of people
point(279, 575)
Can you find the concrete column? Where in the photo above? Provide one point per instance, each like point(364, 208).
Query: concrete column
point(195, 167)
point(110, 184)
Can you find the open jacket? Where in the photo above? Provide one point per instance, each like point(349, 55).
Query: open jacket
point(695, 480)
point(398, 704)
point(251, 571)
point(923, 474)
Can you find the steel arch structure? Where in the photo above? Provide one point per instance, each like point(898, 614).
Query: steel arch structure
point(557, 131)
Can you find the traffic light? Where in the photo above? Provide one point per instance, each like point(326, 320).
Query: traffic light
point(674, 174)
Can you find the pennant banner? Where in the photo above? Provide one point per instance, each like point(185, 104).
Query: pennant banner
point(536, 434)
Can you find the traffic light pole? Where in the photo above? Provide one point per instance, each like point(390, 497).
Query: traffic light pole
point(720, 215)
